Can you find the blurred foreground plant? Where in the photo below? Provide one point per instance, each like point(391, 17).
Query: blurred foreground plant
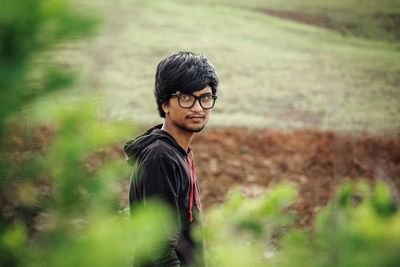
point(59, 204)
point(359, 227)
point(27, 28)
point(240, 232)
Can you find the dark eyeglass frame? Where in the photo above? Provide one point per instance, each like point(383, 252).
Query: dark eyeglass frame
point(196, 98)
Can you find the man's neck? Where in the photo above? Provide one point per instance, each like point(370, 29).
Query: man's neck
point(182, 137)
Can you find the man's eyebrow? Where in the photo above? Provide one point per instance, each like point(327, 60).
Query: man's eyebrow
point(209, 93)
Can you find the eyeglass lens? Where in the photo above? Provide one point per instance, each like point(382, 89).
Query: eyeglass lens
point(188, 101)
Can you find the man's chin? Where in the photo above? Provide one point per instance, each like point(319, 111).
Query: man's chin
point(196, 130)
point(192, 129)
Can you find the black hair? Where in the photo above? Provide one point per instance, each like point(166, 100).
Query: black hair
point(185, 72)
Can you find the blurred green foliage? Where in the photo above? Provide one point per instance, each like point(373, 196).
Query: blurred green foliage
point(26, 29)
point(59, 198)
point(359, 227)
point(239, 232)
point(352, 231)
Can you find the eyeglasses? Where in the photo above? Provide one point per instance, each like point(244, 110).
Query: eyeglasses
point(206, 101)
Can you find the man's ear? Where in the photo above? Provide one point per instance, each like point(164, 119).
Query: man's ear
point(166, 107)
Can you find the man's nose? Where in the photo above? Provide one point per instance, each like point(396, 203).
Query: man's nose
point(197, 107)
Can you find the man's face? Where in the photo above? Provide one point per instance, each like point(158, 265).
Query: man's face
point(191, 119)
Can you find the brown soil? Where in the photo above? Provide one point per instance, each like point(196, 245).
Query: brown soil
point(388, 22)
point(313, 160)
point(296, 16)
point(304, 18)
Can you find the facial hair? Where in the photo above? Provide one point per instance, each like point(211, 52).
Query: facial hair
point(190, 129)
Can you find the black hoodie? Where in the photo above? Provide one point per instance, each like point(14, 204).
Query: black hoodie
point(165, 171)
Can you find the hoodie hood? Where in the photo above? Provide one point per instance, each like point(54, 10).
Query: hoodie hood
point(134, 147)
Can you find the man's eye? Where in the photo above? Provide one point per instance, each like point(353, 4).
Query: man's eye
point(206, 97)
point(185, 97)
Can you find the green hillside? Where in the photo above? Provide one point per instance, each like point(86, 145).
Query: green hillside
point(275, 71)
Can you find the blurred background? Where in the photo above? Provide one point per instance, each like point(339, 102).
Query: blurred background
point(282, 64)
point(308, 96)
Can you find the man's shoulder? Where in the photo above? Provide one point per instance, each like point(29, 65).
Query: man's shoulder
point(160, 149)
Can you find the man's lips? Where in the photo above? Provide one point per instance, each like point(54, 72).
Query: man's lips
point(195, 117)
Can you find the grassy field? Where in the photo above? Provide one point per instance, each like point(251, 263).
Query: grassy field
point(274, 72)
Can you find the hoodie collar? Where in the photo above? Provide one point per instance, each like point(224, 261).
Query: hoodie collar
point(134, 146)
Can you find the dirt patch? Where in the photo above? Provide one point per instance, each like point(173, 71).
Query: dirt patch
point(391, 23)
point(314, 20)
point(387, 23)
point(315, 161)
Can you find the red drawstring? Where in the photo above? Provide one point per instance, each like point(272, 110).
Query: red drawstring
point(192, 189)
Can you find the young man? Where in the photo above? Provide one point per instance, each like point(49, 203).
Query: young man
point(164, 168)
